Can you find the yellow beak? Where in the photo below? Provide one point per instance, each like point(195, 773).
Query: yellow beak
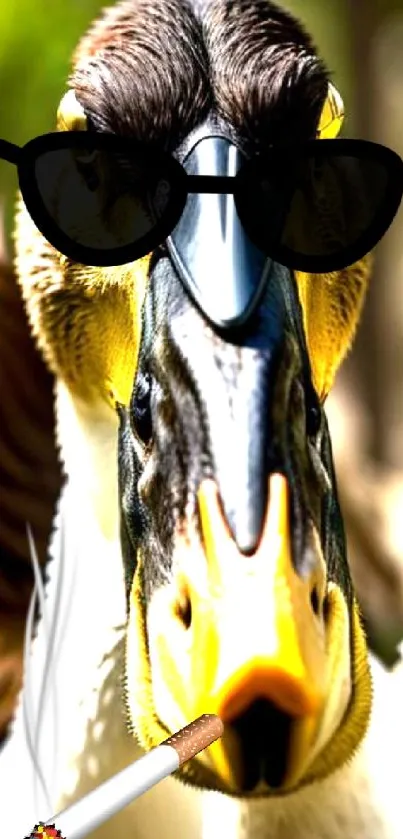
point(256, 636)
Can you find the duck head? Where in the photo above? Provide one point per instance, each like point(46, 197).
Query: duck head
point(240, 601)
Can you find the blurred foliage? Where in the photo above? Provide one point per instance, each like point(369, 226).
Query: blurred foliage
point(36, 42)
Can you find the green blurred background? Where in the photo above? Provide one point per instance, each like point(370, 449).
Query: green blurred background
point(362, 42)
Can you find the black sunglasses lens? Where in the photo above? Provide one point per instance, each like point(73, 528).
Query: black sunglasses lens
point(100, 198)
point(334, 203)
point(318, 207)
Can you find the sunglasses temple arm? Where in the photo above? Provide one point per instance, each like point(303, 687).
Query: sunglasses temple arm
point(9, 152)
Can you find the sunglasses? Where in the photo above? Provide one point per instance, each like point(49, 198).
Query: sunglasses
point(105, 200)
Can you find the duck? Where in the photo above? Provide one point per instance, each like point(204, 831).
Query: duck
point(198, 561)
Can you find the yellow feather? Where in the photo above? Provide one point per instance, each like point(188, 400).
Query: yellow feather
point(332, 115)
point(331, 303)
point(331, 306)
point(86, 320)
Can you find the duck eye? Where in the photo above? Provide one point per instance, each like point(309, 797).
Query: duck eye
point(313, 419)
point(141, 408)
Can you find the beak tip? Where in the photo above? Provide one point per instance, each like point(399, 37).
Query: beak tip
point(247, 531)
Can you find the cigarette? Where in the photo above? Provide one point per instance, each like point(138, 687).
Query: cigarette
point(117, 792)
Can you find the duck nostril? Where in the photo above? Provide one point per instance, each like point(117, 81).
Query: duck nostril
point(326, 608)
point(183, 609)
point(315, 601)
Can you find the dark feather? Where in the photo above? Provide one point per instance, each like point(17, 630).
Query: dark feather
point(152, 69)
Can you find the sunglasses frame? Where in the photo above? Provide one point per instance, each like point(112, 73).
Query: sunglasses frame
point(182, 185)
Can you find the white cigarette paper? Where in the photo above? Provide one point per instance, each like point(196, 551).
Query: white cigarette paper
point(118, 791)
